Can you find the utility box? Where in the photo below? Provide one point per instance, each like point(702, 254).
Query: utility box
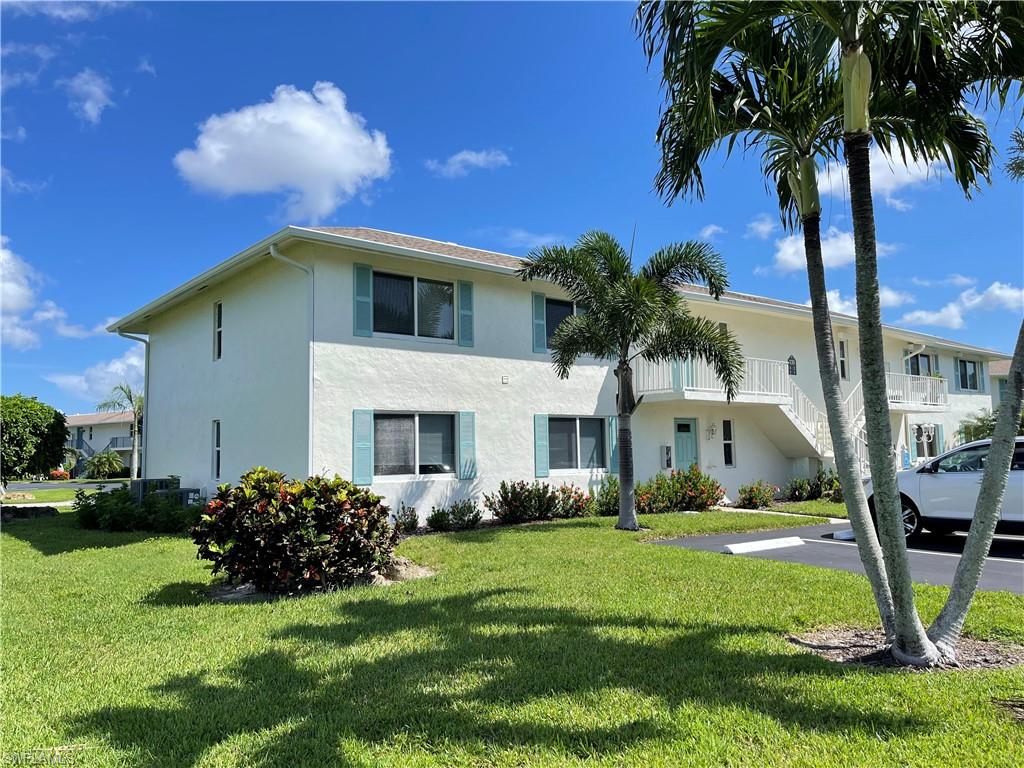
point(666, 457)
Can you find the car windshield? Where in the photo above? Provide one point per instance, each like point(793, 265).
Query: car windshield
point(967, 460)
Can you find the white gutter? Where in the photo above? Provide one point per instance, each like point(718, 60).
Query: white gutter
point(145, 400)
point(276, 254)
point(913, 352)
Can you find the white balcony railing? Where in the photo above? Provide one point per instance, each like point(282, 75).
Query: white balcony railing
point(760, 377)
point(907, 389)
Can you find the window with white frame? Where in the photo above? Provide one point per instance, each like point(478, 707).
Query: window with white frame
point(218, 330)
point(920, 365)
point(926, 438)
point(555, 311)
point(413, 443)
point(216, 449)
point(844, 370)
point(728, 444)
point(413, 306)
point(576, 443)
point(968, 375)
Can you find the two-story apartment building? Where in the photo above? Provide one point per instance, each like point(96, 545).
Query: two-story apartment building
point(92, 433)
point(421, 368)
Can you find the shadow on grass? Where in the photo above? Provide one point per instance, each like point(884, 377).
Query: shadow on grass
point(60, 534)
point(480, 671)
point(179, 594)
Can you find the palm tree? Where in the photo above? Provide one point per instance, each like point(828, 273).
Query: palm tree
point(927, 55)
point(1015, 165)
point(124, 399)
point(628, 314)
point(103, 464)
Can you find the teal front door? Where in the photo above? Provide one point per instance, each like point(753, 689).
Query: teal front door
point(686, 443)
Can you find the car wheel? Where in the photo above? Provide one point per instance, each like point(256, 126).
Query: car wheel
point(911, 519)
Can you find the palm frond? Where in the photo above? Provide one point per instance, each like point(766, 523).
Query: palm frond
point(690, 262)
point(580, 335)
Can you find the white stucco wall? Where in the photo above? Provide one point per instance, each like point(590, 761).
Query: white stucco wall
point(258, 389)
point(102, 434)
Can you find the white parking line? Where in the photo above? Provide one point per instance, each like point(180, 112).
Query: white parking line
point(919, 551)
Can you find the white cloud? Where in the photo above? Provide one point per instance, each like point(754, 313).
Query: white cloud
point(308, 145)
point(836, 251)
point(890, 297)
point(761, 227)
point(954, 279)
point(710, 231)
point(21, 312)
point(95, 382)
point(17, 134)
point(461, 163)
point(88, 94)
point(887, 178)
point(836, 303)
point(145, 66)
point(16, 186)
point(34, 58)
point(998, 296)
point(69, 12)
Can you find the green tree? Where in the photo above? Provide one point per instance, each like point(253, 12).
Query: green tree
point(32, 436)
point(104, 464)
point(124, 399)
point(631, 313)
point(982, 424)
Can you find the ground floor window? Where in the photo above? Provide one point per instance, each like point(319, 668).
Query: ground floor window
point(216, 449)
point(926, 437)
point(576, 443)
point(728, 446)
point(413, 443)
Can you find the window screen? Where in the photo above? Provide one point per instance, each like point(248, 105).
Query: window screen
point(437, 443)
point(394, 446)
point(592, 443)
point(392, 304)
point(562, 443)
point(555, 312)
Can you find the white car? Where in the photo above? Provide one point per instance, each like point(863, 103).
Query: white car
point(940, 494)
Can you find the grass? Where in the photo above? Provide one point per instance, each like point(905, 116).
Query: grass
point(557, 644)
point(817, 508)
point(42, 495)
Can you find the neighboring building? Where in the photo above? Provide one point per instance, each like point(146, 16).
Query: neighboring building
point(92, 433)
point(999, 371)
point(420, 368)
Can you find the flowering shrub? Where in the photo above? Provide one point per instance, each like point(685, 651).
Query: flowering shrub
point(294, 536)
point(521, 502)
point(689, 491)
point(59, 474)
point(407, 520)
point(572, 502)
point(606, 497)
point(797, 489)
point(756, 495)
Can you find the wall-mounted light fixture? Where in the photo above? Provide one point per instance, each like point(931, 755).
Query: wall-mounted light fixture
point(792, 365)
point(711, 430)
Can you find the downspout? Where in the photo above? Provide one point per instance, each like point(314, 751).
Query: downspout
point(277, 255)
point(145, 400)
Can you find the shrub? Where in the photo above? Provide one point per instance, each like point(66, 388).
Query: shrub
point(59, 474)
point(756, 495)
point(292, 536)
point(797, 489)
point(572, 502)
point(465, 514)
point(521, 502)
point(689, 491)
point(117, 510)
point(407, 520)
point(103, 465)
point(825, 485)
point(439, 519)
point(606, 498)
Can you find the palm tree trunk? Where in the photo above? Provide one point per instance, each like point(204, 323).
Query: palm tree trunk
point(842, 438)
point(945, 632)
point(135, 446)
point(627, 507)
point(910, 644)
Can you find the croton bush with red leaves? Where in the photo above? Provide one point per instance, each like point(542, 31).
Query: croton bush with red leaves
point(59, 474)
point(295, 536)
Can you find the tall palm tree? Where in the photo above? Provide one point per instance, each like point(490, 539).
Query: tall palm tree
point(124, 399)
point(631, 313)
point(918, 69)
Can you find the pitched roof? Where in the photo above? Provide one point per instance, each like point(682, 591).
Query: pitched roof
point(999, 368)
point(93, 419)
point(383, 237)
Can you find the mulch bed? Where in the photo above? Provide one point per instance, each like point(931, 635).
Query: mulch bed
point(867, 647)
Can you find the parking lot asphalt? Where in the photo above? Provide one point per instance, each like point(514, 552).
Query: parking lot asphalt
point(933, 558)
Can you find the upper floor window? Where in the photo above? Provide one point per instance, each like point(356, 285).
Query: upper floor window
point(218, 330)
point(555, 311)
point(920, 365)
point(576, 443)
point(413, 306)
point(968, 375)
point(844, 368)
point(413, 443)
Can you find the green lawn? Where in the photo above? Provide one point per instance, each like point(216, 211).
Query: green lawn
point(40, 495)
point(539, 645)
point(818, 508)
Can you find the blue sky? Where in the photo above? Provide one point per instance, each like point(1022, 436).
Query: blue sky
point(144, 143)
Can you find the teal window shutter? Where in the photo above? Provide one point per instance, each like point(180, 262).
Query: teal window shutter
point(956, 374)
point(465, 314)
point(940, 442)
point(540, 330)
point(913, 443)
point(467, 445)
point(613, 444)
point(540, 445)
point(362, 303)
point(982, 377)
point(362, 447)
